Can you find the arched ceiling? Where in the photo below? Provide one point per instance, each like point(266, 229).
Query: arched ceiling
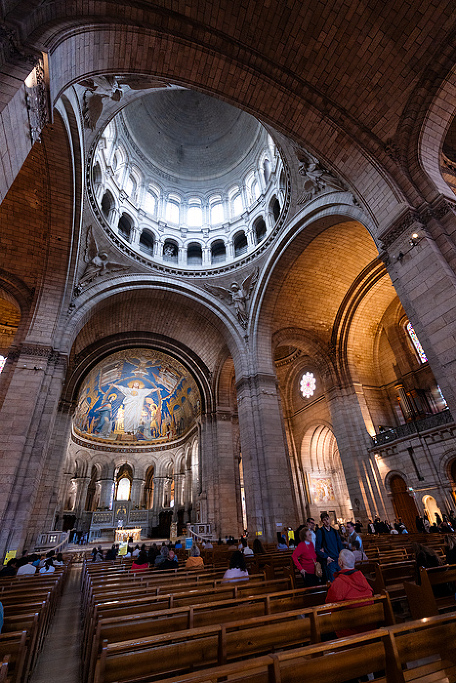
point(314, 286)
point(158, 313)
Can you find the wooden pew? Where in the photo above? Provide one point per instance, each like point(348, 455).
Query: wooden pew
point(421, 597)
point(393, 649)
point(13, 646)
point(146, 657)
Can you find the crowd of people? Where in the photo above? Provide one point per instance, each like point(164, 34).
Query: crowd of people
point(28, 565)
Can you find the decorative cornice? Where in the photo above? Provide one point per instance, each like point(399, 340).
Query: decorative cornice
point(400, 226)
point(107, 448)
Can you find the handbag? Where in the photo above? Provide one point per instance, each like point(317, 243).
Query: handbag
point(318, 570)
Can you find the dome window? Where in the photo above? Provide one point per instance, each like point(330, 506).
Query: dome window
point(275, 208)
point(260, 229)
point(217, 214)
point(173, 210)
point(240, 244)
point(124, 227)
point(195, 215)
point(107, 203)
point(194, 254)
point(218, 252)
point(150, 203)
point(146, 243)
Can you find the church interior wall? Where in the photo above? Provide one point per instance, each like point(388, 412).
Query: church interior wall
point(343, 278)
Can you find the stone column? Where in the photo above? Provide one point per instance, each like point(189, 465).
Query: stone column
point(267, 477)
point(136, 491)
point(353, 442)
point(158, 493)
point(82, 484)
point(106, 492)
point(422, 269)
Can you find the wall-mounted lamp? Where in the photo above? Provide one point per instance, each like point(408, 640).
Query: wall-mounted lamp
point(413, 241)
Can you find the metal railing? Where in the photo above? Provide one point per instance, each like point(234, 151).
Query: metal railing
point(411, 428)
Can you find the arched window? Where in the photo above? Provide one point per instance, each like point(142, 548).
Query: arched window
point(173, 210)
point(170, 251)
point(130, 186)
point(260, 229)
point(194, 214)
point(275, 207)
point(2, 362)
point(217, 214)
point(266, 170)
point(97, 177)
point(124, 227)
point(107, 203)
point(240, 244)
point(123, 489)
point(150, 203)
point(146, 242)
point(253, 189)
point(194, 254)
point(218, 252)
point(237, 205)
point(416, 343)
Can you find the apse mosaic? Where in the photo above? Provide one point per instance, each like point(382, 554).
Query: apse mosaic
point(137, 396)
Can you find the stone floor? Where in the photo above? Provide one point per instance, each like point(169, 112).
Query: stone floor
point(60, 657)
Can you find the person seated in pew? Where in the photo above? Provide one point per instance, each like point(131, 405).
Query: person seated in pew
point(162, 555)
point(425, 556)
point(152, 553)
point(257, 547)
point(48, 566)
point(305, 557)
point(136, 551)
point(194, 561)
point(59, 561)
point(10, 568)
point(238, 569)
point(450, 550)
point(350, 584)
point(171, 562)
point(140, 563)
point(358, 552)
point(178, 545)
point(208, 545)
point(26, 566)
point(111, 553)
point(248, 552)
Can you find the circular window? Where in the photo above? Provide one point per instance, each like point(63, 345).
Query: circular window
point(308, 385)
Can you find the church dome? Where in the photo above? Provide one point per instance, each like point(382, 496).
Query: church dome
point(187, 181)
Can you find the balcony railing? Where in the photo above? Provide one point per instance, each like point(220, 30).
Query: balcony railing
point(411, 428)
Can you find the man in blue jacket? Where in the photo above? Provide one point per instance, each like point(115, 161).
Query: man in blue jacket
point(328, 545)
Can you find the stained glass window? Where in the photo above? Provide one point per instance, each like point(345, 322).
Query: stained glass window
point(2, 362)
point(308, 385)
point(416, 343)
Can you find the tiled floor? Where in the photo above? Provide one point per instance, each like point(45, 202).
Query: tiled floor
point(60, 657)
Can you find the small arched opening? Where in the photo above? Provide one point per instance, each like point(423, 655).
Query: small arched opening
point(260, 229)
point(194, 254)
point(240, 243)
point(275, 208)
point(146, 243)
point(170, 251)
point(124, 226)
point(124, 480)
point(149, 488)
point(403, 503)
point(107, 203)
point(218, 252)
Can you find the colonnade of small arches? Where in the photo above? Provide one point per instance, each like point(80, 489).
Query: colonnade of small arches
point(189, 229)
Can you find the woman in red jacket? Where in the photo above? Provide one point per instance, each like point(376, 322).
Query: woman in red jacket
point(305, 557)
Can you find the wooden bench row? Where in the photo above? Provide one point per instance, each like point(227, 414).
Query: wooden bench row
point(415, 651)
point(180, 651)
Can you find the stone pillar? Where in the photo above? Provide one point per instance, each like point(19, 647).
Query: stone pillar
point(106, 492)
point(206, 256)
point(353, 442)
point(422, 269)
point(82, 484)
point(267, 477)
point(251, 238)
point(137, 491)
point(158, 493)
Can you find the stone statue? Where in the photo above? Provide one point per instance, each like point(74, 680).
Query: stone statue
point(97, 262)
point(237, 295)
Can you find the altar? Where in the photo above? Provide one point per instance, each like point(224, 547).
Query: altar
point(122, 535)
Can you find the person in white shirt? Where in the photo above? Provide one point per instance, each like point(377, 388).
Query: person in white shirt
point(238, 570)
point(245, 548)
point(353, 536)
point(48, 567)
point(26, 569)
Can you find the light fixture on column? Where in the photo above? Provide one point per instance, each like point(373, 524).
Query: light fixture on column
point(414, 239)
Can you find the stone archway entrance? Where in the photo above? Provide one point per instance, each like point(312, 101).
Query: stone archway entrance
point(404, 505)
point(431, 508)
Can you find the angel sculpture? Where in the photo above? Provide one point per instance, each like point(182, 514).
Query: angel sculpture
point(97, 89)
point(97, 262)
point(237, 295)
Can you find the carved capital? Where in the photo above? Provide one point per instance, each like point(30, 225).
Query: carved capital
point(408, 221)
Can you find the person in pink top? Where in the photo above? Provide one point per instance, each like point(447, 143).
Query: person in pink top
point(304, 557)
